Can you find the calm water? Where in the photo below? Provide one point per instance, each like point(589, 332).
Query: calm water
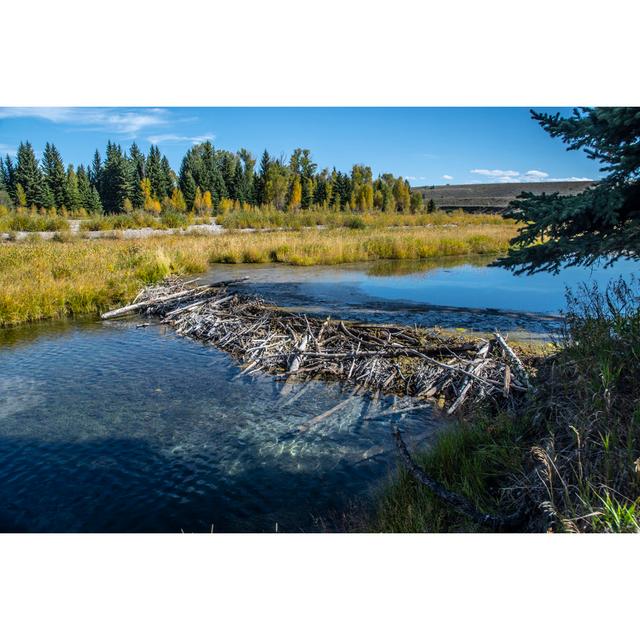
point(105, 427)
point(450, 293)
point(109, 427)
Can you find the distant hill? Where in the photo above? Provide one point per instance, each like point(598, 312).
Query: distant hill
point(493, 197)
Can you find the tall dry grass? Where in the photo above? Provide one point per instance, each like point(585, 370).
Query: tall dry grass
point(269, 218)
point(52, 279)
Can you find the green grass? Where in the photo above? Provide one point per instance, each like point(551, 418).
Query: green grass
point(13, 222)
point(572, 451)
point(41, 280)
point(139, 220)
point(474, 458)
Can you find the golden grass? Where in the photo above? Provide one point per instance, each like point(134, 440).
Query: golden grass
point(41, 280)
point(267, 218)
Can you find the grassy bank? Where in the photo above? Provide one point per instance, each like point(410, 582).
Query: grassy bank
point(140, 220)
point(52, 279)
point(571, 454)
point(13, 222)
point(267, 218)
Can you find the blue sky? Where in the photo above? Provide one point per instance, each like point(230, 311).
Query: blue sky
point(458, 145)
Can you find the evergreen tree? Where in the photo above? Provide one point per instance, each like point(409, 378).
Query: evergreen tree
point(72, 200)
point(212, 177)
point(155, 173)
point(261, 181)
point(94, 204)
point(307, 173)
point(168, 177)
point(137, 161)
point(602, 221)
point(95, 173)
point(228, 162)
point(30, 177)
point(116, 179)
point(188, 188)
point(8, 172)
point(84, 189)
point(431, 206)
point(55, 177)
point(246, 186)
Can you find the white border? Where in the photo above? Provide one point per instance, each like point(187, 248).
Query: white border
point(125, 53)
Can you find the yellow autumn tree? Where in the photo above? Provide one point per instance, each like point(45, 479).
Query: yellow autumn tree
point(21, 196)
point(178, 201)
point(150, 203)
point(207, 203)
point(295, 199)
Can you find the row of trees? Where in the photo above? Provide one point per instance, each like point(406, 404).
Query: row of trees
point(127, 180)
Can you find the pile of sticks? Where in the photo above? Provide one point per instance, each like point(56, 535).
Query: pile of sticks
point(422, 364)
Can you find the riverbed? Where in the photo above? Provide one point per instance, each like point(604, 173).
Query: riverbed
point(115, 427)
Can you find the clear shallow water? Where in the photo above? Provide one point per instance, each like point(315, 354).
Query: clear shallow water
point(449, 292)
point(109, 427)
point(105, 427)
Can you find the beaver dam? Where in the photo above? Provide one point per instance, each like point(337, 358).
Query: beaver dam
point(424, 365)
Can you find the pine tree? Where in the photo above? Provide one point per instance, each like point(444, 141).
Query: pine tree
point(228, 163)
point(188, 188)
point(168, 177)
point(137, 161)
point(84, 187)
point(307, 172)
point(154, 173)
point(9, 177)
point(94, 205)
point(55, 177)
point(29, 175)
point(431, 206)
point(238, 184)
point(602, 221)
point(261, 181)
point(95, 172)
point(72, 200)
point(247, 188)
point(116, 179)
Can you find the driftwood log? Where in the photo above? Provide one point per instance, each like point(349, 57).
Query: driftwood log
point(422, 364)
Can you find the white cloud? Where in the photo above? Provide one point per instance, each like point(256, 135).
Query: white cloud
point(116, 121)
point(534, 173)
point(572, 179)
point(446, 177)
point(496, 173)
point(165, 138)
point(7, 149)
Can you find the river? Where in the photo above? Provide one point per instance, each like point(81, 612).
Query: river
point(110, 427)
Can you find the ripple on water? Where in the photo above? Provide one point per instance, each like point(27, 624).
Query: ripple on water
point(105, 427)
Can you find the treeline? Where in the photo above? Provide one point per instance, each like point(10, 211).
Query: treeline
point(209, 180)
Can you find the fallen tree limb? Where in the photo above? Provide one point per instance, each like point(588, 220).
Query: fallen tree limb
point(455, 500)
point(515, 361)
